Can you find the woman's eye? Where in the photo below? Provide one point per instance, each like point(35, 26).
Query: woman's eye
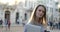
point(39, 10)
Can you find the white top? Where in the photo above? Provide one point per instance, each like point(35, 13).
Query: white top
point(33, 28)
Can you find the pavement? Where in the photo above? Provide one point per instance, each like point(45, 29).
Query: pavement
point(52, 30)
point(20, 28)
point(15, 28)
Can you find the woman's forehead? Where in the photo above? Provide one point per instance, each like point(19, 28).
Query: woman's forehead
point(41, 8)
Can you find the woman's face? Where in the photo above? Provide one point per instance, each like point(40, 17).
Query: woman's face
point(40, 12)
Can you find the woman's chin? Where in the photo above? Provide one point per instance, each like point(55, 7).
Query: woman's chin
point(40, 17)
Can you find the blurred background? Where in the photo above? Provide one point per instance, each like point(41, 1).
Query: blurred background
point(19, 12)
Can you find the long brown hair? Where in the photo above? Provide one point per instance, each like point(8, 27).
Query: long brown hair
point(33, 16)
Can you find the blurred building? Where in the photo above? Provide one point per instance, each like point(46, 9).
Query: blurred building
point(52, 10)
point(21, 12)
point(7, 12)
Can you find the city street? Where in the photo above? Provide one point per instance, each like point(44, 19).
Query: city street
point(53, 30)
point(12, 29)
point(20, 28)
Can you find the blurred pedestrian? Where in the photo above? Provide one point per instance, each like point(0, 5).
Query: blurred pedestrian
point(9, 23)
point(51, 25)
point(59, 25)
point(1, 23)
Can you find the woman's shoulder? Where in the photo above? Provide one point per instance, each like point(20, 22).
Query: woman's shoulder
point(28, 25)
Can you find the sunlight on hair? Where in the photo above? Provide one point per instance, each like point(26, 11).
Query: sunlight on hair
point(44, 22)
point(59, 6)
point(31, 15)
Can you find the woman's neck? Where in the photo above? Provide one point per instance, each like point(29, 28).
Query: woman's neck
point(39, 20)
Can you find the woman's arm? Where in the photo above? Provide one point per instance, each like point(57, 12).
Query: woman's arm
point(25, 28)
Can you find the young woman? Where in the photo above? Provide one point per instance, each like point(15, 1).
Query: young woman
point(38, 17)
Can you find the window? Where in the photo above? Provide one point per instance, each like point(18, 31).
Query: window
point(51, 9)
point(25, 16)
point(47, 1)
point(59, 18)
point(46, 8)
point(7, 14)
point(26, 2)
point(17, 17)
point(56, 3)
point(50, 0)
point(59, 9)
point(56, 9)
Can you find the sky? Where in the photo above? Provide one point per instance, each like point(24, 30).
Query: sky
point(11, 2)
